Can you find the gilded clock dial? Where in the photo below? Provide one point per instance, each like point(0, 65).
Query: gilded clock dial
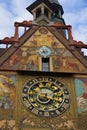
point(44, 51)
point(45, 96)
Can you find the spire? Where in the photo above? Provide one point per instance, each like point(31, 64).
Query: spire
point(58, 11)
point(54, 1)
point(57, 14)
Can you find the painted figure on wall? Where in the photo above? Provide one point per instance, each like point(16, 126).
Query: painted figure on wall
point(23, 59)
point(81, 94)
point(7, 91)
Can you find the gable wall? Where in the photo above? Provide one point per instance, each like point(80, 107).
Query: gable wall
point(28, 58)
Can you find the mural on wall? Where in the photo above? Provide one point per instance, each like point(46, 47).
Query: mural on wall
point(63, 123)
point(23, 59)
point(81, 94)
point(67, 63)
point(7, 91)
point(7, 125)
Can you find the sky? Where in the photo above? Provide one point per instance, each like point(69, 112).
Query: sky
point(75, 14)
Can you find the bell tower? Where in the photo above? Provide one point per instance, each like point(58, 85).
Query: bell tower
point(46, 12)
point(42, 11)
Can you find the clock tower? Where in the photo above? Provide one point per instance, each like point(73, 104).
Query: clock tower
point(43, 74)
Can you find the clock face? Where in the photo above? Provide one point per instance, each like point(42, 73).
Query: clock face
point(44, 51)
point(45, 96)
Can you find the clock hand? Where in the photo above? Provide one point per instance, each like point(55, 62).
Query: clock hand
point(48, 97)
point(59, 99)
point(44, 51)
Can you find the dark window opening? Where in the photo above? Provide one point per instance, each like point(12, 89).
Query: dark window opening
point(46, 12)
point(38, 12)
point(45, 64)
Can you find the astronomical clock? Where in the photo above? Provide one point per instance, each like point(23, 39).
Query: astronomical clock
point(46, 97)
